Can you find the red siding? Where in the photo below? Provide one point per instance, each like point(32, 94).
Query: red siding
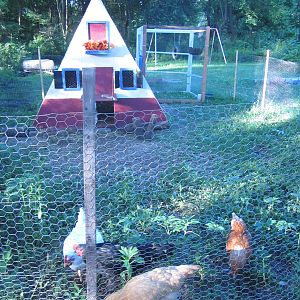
point(60, 113)
point(128, 108)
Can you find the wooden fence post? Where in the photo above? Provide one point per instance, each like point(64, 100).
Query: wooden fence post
point(205, 64)
point(89, 162)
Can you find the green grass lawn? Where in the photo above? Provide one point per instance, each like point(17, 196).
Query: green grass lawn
point(21, 95)
point(220, 81)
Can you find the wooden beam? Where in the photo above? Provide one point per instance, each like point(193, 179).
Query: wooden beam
point(205, 63)
point(89, 174)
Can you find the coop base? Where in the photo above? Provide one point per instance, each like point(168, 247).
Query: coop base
point(64, 113)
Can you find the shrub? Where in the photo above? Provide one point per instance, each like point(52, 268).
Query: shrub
point(48, 44)
point(11, 55)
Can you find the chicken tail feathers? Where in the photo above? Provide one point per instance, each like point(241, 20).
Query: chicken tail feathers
point(81, 218)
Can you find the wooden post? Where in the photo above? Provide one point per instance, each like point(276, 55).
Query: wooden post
point(205, 63)
point(235, 73)
point(89, 161)
point(263, 97)
point(41, 73)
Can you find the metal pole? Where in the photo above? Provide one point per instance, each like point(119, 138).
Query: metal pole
point(263, 98)
point(212, 45)
point(41, 73)
point(235, 73)
point(221, 46)
point(155, 49)
point(205, 64)
point(144, 49)
point(89, 162)
point(190, 64)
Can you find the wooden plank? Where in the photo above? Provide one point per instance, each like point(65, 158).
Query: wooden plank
point(205, 63)
point(179, 101)
point(89, 162)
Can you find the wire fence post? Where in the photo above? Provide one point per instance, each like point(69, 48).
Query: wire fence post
point(89, 123)
point(41, 73)
point(235, 73)
point(263, 97)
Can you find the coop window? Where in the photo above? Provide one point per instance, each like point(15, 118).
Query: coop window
point(98, 35)
point(128, 79)
point(71, 79)
point(117, 79)
point(58, 82)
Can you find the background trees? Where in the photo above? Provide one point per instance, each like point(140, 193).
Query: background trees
point(250, 24)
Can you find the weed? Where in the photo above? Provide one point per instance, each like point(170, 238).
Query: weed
point(129, 255)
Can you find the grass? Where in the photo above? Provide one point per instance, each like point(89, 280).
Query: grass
point(21, 95)
point(220, 81)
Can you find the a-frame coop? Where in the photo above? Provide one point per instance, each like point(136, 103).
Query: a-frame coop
point(121, 89)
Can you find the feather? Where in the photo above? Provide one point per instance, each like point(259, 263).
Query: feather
point(238, 244)
point(75, 238)
point(159, 284)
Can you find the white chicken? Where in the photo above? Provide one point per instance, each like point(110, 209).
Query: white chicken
point(77, 237)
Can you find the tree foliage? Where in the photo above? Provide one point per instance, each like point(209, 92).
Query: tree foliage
point(50, 23)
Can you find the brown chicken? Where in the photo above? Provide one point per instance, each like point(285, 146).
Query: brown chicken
point(158, 284)
point(238, 244)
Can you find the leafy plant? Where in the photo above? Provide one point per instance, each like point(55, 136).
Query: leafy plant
point(173, 224)
point(11, 55)
point(129, 255)
point(5, 258)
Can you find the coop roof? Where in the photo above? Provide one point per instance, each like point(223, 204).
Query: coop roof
point(118, 57)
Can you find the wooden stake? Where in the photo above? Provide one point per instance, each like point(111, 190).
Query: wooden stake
point(205, 63)
point(89, 162)
point(235, 73)
point(263, 98)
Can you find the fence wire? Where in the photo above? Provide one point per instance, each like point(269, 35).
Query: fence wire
point(169, 80)
point(167, 198)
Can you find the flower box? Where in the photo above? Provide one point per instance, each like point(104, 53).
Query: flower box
point(97, 47)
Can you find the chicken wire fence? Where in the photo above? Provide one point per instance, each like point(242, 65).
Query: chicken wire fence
point(241, 80)
point(164, 199)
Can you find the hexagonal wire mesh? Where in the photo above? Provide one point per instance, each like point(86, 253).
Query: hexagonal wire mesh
point(166, 197)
